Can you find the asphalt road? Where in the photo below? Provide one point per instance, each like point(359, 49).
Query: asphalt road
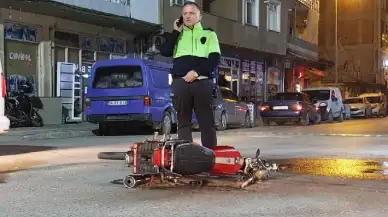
point(372, 126)
point(70, 181)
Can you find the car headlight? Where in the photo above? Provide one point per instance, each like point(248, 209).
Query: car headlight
point(374, 106)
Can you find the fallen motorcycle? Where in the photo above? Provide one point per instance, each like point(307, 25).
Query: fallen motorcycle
point(175, 159)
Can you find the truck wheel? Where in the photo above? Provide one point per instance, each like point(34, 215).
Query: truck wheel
point(340, 118)
point(330, 117)
point(166, 124)
point(305, 120)
point(111, 155)
point(103, 129)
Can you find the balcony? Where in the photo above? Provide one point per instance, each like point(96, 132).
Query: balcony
point(301, 48)
point(302, 38)
point(144, 10)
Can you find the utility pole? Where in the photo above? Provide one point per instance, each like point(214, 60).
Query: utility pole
point(336, 42)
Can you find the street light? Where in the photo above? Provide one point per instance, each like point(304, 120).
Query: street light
point(336, 42)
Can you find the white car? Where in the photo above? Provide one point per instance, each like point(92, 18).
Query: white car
point(378, 102)
point(359, 107)
point(4, 121)
point(332, 97)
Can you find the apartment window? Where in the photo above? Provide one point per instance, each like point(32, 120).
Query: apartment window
point(273, 13)
point(180, 2)
point(251, 12)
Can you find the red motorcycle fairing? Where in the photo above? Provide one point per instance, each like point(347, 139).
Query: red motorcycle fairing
point(192, 159)
point(227, 162)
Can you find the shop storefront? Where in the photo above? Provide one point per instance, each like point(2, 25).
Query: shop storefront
point(274, 80)
point(21, 57)
point(299, 78)
point(83, 51)
point(243, 77)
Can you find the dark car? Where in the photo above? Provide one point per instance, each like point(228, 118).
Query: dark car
point(289, 106)
point(230, 110)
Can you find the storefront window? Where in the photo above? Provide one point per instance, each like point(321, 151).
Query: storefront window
point(20, 32)
point(274, 80)
point(228, 73)
point(252, 80)
point(103, 56)
point(21, 66)
point(110, 45)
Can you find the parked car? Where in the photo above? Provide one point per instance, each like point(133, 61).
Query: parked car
point(359, 107)
point(131, 91)
point(378, 103)
point(289, 106)
point(4, 121)
point(332, 97)
point(229, 109)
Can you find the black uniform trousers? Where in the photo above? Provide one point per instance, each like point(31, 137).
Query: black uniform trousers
point(197, 95)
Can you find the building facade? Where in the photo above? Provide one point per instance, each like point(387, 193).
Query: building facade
point(36, 35)
point(304, 69)
point(362, 29)
point(253, 38)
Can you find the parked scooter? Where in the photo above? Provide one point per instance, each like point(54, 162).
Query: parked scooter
point(22, 110)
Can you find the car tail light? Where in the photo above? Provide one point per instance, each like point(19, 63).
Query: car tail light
point(3, 85)
point(264, 108)
point(147, 101)
point(87, 103)
point(297, 107)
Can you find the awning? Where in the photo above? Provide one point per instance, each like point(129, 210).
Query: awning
point(306, 70)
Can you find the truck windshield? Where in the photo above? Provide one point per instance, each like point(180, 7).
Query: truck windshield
point(114, 77)
point(318, 94)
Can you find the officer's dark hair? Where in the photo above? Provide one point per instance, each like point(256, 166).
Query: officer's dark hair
point(192, 4)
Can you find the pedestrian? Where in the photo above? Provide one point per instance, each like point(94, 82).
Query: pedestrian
point(196, 53)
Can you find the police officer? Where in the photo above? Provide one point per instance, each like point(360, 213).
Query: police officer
point(196, 54)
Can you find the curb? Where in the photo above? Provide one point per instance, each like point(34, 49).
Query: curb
point(58, 135)
point(46, 135)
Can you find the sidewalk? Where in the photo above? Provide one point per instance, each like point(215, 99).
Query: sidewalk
point(49, 132)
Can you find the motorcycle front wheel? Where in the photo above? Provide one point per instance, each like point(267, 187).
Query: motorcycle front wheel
point(36, 119)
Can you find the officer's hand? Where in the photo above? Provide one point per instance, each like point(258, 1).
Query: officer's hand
point(179, 29)
point(191, 76)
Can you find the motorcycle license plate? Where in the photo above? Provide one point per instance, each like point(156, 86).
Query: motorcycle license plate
point(280, 107)
point(117, 103)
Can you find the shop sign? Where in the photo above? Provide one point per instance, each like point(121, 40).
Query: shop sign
point(229, 63)
point(19, 56)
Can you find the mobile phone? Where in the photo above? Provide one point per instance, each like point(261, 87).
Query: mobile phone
point(180, 21)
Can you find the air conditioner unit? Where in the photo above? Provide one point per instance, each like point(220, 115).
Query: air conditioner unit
point(157, 40)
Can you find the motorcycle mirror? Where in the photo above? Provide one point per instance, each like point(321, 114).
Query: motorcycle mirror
point(258, 153)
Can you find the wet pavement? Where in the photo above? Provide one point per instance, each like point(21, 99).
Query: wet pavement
point(326, 178)
point(374, 169)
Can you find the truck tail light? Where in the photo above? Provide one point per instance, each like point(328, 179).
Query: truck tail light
point(3, 85)
point(147, 101)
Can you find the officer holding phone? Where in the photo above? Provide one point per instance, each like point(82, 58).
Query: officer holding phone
point(196, 54)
